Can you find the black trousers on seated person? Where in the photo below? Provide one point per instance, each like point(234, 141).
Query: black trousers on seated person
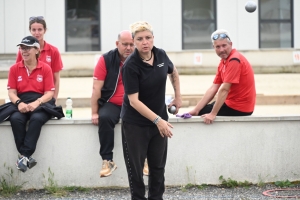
point(109, 116)
point(140, 142)
point(26, 140)
point(224, 111)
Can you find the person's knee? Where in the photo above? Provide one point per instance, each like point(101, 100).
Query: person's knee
point(16, 118)
point(39, 119)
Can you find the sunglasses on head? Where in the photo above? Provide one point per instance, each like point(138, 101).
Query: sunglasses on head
point(221, 35)
point(36, 17)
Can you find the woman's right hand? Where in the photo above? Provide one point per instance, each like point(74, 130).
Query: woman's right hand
point(164, 128)
point(23, 108)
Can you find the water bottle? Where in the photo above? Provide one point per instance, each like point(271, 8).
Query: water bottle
point(69, 112)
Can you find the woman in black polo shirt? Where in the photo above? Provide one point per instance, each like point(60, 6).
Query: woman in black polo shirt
point(145, 126)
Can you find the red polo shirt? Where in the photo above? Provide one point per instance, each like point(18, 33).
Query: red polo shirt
point(40, 80)
point(100, 74)
point(49, 55)
point(242, 93)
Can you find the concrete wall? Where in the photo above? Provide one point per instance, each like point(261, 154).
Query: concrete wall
point(255, 148)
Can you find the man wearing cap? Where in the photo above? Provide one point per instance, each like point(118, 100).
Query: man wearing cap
point(30, 86)
point(233, 86)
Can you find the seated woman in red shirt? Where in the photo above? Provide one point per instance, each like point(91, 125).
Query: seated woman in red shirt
point(30, 86)
point(48, 53)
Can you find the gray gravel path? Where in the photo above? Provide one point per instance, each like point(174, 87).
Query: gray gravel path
point(171, 193)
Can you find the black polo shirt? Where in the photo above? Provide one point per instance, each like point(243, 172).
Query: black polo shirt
point(149, 81)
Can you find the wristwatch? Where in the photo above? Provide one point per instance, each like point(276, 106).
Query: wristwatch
point(18, 102)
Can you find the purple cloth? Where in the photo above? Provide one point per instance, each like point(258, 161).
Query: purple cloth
point(184, 115)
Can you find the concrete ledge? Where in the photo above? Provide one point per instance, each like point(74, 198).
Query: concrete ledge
point(192, 100)
point(254, 148)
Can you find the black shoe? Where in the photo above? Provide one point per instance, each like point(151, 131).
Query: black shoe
point(21, 163)
point(31, 162)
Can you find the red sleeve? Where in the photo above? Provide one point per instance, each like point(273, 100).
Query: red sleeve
point(57, 63)
point(232, 72)
point(218, 78)
point(48, 78)
point(100, 70)
point(12, 81)
point(19, 57)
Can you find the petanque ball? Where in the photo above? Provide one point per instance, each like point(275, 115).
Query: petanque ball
point(172, 109)
point(250, 6)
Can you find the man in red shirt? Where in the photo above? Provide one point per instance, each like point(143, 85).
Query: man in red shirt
point(107, 97)
point(233, 86)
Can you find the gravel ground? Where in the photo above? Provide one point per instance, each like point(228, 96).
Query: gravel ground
point(171, 193)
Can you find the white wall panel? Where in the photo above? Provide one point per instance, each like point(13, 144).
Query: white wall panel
point(172, 25)
point(55, 19)
point(296, 24)
point(243, 26)
point(2, 27)
point(247, 27)
point(154, 12)
point(117, 15)
point(14, 27)
point(227, 18)
point(110, 23)
point(131, 11)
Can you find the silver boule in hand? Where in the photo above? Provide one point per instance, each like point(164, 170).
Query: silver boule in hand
point(172, 109)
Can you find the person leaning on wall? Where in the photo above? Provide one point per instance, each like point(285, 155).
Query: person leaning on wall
point(30, 90)
point(233, 86)
point(107, 98)
point(48, 53)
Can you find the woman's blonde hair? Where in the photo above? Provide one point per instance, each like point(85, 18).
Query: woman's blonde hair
point(140, 26)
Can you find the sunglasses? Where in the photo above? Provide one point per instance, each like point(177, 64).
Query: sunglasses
point(36, 17)
point(25, 48)
point(221, 35)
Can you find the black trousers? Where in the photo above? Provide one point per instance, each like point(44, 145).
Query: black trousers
point(109, 116)
point(26, 140)
point(224, 111)
point(140, 142)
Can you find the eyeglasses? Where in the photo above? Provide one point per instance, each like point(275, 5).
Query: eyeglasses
point(127, 44)
point(36, 17)
point(221, 35)
point(25, 48)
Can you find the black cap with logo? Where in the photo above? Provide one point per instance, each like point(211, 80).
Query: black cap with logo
point(30, 41)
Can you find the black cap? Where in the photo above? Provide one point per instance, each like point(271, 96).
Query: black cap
point(30, 41)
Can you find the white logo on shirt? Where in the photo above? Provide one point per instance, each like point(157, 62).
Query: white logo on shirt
point(19, 78)
point(160, 65)
point(39, 78)
point(48, 58)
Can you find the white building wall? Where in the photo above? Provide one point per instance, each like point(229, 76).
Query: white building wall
point(296, 24)
point(14, 22)
point(242, 26)
point(54, 14)
point(116, 15)
point(166, 25)
point(2, 32)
